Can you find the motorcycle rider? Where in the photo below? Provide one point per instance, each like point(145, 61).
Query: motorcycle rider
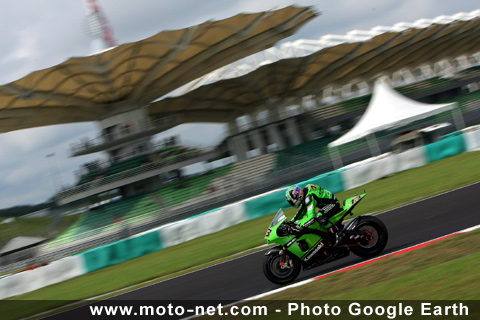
point(307, 200)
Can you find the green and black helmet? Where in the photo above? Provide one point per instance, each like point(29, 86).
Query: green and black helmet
point(294, 196)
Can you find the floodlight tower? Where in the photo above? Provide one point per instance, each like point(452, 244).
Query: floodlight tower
point(99, 27)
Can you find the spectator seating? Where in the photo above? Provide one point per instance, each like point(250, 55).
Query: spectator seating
point(468, 101)
point(102, 218)
point(168, 154)
point(311, 150)
point(134, 209)
point(178, 192)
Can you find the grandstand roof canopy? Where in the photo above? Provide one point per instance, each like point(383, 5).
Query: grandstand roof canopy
point(389, 109)
point(369, 54)
point(133, 75)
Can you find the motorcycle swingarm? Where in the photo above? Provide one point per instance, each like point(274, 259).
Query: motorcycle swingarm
point(352, 224)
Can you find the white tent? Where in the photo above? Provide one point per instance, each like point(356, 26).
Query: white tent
point(389, 109)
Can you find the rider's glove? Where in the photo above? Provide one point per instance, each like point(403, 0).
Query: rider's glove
point(294, 228)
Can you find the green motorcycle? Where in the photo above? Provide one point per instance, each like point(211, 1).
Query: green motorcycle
point(365, 236)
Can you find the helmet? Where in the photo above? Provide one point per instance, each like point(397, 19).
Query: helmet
point(294, 196)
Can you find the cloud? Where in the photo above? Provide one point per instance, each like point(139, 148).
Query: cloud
point(42, 138)
point(30, 177)
point(25, 184)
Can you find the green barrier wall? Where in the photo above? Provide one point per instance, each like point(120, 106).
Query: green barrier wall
point(145, 244)
point(262, 206)
point(448, 147)
point(121, 251)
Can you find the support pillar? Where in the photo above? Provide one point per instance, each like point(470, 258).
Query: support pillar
point(258, 141)
point(275, 136)
point(232, 128)
point(293, 131)
point(458, 119)
point(373, 144)
point(238, 146)
point(336, 157)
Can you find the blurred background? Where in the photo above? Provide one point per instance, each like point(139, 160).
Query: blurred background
point(135, 134)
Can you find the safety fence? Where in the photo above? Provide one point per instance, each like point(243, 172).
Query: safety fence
point(215, 220)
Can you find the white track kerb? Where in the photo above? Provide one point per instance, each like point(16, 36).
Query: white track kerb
point(346, 178)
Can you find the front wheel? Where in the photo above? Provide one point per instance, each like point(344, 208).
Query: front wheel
point(279, 270)
point(377, 237)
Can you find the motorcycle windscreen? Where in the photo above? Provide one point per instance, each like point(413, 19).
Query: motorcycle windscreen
point(279, 217)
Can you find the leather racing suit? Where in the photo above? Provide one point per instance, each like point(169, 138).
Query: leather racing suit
point(316, 197)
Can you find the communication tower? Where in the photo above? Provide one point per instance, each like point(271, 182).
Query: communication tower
point(99, 27)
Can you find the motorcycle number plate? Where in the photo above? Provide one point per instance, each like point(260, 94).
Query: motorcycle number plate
point(269, 231)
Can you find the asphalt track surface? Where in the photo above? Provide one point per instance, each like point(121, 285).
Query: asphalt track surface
point(243, 277)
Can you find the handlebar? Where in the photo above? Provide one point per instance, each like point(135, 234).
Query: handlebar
point(288, 228)
point(292, 227)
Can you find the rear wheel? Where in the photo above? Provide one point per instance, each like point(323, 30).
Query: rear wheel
point(376, 237)
point(279, 270)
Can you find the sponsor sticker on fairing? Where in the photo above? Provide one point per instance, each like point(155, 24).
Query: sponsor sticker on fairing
point(290, 243)
point(318, 248)
point(356, 199)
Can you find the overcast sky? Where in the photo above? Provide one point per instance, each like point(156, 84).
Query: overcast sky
point(38, 34)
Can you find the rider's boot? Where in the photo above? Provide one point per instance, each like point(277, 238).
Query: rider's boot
point(338, 234)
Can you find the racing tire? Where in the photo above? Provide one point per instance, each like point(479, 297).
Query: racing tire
point(378, 231)
point(278, 275)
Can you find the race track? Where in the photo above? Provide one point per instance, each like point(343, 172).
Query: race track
point(243, 277)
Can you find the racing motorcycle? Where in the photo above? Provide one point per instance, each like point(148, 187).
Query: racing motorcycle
point(365, 236)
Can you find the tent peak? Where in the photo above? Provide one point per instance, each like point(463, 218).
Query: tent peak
point(389, 109)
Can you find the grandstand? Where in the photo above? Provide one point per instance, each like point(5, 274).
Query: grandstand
point(141, 186)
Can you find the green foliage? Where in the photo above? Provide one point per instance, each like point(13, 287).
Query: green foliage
point(18, 211)
point(44, 227)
